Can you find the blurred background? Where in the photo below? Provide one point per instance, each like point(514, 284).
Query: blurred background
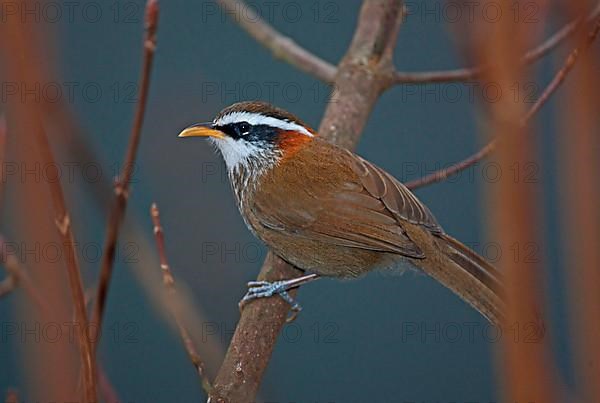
point(386, 337)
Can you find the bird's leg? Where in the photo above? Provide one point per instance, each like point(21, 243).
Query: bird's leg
point(264, 289)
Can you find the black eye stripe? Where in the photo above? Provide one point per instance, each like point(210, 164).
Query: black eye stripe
point(237, 130)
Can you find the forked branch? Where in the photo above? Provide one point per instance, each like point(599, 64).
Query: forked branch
point(287, 49)
point(471, 73)
point(549, 90)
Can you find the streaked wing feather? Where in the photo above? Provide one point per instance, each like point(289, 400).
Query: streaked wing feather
point(398, 199)
point(364, 208)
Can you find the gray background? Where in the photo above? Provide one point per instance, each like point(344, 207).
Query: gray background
point(350, 344)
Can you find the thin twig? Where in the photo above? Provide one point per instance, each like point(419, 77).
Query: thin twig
point(360, 84)
point(169, 283)
point(470, 73)
point(443, 174)
point(549, 90)
point(561, 75)
point(280, 45)
point(122, 185)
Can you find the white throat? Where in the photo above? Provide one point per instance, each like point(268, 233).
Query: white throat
point(244, 154)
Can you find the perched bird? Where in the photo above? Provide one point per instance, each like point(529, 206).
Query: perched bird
point(329, 212)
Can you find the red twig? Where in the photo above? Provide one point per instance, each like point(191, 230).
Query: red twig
point(169, 283)
point(550, 89)
point(122, 185)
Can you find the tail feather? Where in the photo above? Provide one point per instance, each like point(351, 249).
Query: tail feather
point(471, 277)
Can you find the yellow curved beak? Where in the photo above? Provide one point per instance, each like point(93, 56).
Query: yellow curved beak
point(202, 130)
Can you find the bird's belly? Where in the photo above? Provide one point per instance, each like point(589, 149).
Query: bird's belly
point(327, 259)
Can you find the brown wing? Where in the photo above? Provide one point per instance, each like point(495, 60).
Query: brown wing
point(340, 199)
point(397, 198)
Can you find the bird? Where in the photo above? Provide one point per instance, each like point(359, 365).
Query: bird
point(330, 213)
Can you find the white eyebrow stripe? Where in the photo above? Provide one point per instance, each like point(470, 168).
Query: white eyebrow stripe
point(258, 119)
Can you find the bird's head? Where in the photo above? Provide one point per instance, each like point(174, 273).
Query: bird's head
point(253, 133)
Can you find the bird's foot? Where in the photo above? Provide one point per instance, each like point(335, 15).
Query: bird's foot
point(265, 289)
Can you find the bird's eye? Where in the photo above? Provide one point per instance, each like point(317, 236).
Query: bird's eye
point(244, 128)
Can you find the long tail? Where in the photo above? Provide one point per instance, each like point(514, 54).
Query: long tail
point(469, 276)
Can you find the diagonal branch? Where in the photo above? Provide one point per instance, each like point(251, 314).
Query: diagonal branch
point(122, 186)
point(63, 225)
point(169, 283)
point(360, 80)
point(470, 73)
point(550, 89)
point(280, 45)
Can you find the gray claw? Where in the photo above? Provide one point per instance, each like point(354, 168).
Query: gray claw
point(265, 289)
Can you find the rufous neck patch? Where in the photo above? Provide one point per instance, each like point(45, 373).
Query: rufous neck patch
point(290, 142)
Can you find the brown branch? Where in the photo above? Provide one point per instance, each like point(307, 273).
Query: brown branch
point(579, 161)
point(470, 73)
point(526, 365)
point(286, 49)
point(63, 225)
point(20, 59)
point(280, 45)
point(549, 90)
point(72, 136)
point(122, 185)
point(561, 75)
point(169, 283)
point(20, 51)
point(443, 174)
point(360, 80)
